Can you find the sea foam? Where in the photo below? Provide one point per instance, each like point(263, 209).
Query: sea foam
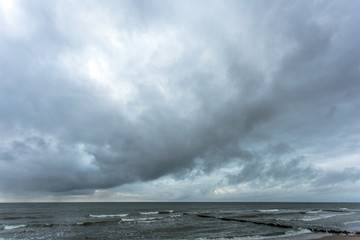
point(108, 215)
point(159, 212)
point(269, 210)
point(10, 227)
point(322, 216)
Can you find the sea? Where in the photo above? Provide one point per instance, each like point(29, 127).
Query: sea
point(178, 220)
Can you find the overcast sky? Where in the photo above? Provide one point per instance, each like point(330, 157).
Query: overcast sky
point(179, 100)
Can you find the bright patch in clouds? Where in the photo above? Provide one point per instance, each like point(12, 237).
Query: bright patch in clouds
point(16, 23)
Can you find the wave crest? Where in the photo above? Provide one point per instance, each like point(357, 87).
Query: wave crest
point(11, 227)
point(108, 215)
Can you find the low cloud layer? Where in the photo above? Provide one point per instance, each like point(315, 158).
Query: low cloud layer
point(238, 100)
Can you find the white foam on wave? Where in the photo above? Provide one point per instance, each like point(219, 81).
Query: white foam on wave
point(148, 213)
point(314, 211)
point(139, 220)
point(158, 212)
point(352, 222)
point(108, 215)
point(295, 233)
point(284, 219)
point(146, 219)
point(10, 227)
point(269, 210)
point(314, 218)
point(128, 220)
point(323, 216)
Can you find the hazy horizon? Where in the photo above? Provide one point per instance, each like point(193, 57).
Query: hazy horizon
point(179, 101)
point(255, 202)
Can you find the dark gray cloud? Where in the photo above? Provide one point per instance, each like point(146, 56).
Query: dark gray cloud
point(348, 175)
point(101, 94)
point(275, 164)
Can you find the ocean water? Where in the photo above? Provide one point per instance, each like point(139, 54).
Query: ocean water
point(177, 220)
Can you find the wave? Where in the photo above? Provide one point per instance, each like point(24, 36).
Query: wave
point(313, 211)
point(269, 210)
point(341, 210)
point(89, 223)
point(166, 212)
point(139, 220)
point(48, 225)
point(148, 213)
point(43, 225)
point(285, 235)
point(352, 222)
point(146, 219)
point(314, 218)
point(107, 215)
point(284, 219)
point(127, 220)
point(19, 217)
point(299, 232)
point(158, 212)
point(319, 217)
point(11, 227)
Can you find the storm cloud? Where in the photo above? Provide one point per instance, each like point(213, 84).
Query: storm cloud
point(112, 99)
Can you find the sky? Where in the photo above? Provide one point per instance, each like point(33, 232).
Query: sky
point(179, 100)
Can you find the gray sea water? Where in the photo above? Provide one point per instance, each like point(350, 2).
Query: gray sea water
point(177, 220)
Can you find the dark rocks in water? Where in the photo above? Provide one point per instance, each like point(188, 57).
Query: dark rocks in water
point(335, 211)
point(86, 224)
point(205, 216)
point(279, 225)
point(259, 223)
point(94, 223)
point(164, 212)
point(243, 220)
point(333, 231)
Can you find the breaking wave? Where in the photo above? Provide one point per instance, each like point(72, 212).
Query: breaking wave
point(148, 213)
point(107, 215)
point(159, 212)
point(314, 211)
point(323, 216)
point(127, 220)
point(269, 210)
point(139, 220)
point(352, 222)
point(11, 227)
point(146, 219)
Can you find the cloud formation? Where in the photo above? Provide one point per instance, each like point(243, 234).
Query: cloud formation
point(99, 96)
